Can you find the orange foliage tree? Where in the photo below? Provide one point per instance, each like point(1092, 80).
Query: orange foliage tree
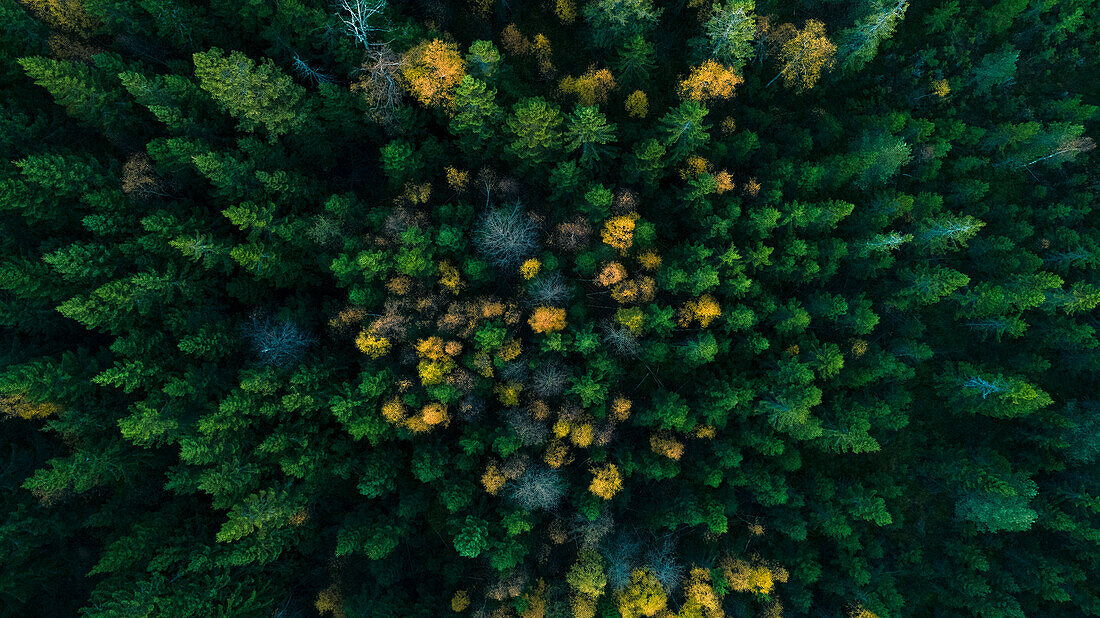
point(547, 319)
point(710, 80)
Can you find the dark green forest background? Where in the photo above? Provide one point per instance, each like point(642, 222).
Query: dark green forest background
point(585, 308)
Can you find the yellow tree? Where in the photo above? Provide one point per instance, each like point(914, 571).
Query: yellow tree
point(591, 88)
point(606, 481)
point(643, 596)
point(805, 55)
point(432, 70)
point(67, 15)
point(710, 80)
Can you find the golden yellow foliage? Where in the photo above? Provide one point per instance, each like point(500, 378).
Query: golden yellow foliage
point(637, 104)
point(394, 411)
point(299, 517)
point(433, 372)
point(493, 479)
point(530, 268)
point(618, 232)
point(434, 414)
point(650, 260)
point(536, 602)
point(556, 454)
point(431, 348)
point(582, 435)
point(664, 444)
point(432, 71)
point(547, 319)
point(372, 345)
point(510, 351)
point(728, 125)
point(492, 309)
point(508, 393)
point(399, 284)
point(620, 409)
point(705, 432)
point(703, 310)
point(752, 187)
point(725, 182)
point(941, 88)
point(694, 166)
point(625, 292)
point(583, 606)
point(416, 193)
point(457, 179)
point(643, 596)
point(606, 481)
point(700, 593)
point(610, 274)
point(543, 52)
point(513, 41)
point(805, 55)
point(449, 277)
point(861, 612)
point(67, 15)
point(561, 428)
point(18, 406)
point(633, 319)
point(566, 11)
point(330, 601)
point(460, 601)
point(591, 88)
point(744, 577)
point(710, 80)
point(859, 347)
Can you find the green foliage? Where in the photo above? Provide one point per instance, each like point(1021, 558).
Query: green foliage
point(282, 341)
point(257, 96)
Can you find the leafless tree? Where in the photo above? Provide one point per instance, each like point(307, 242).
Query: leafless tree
point(549, 380)
point(505, 235)
point(277, 342)
point(550, 289)
point(379, 80)
point(360, 19)
point(539, 488)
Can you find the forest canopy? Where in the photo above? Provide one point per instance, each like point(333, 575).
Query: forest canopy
point(572, 308)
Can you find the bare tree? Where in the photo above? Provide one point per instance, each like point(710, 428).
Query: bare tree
point(549, 380)
point(539, 488)
point(379, 80)
point(307, 73)
point(360, 17)
point(550, 289)
point(277, 342)
point(505, 235)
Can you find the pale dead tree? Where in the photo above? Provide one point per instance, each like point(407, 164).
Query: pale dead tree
point(1067, 148)
point(307, 73)
point(360, 18)
point(379, 80)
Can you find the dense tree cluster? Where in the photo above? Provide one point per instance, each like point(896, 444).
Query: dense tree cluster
point(583, 308)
